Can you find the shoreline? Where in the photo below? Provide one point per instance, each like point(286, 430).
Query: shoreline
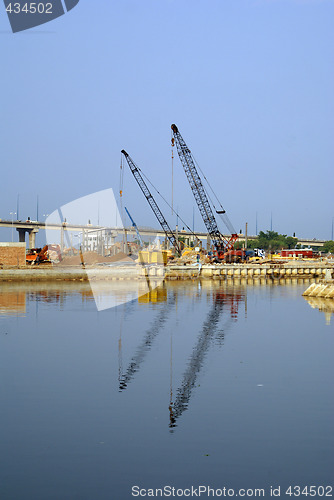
point(267, 271)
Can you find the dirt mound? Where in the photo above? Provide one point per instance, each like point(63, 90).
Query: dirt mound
point(90, 258)
point(118, 256)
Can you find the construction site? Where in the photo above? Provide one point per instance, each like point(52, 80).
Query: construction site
point(119, 253)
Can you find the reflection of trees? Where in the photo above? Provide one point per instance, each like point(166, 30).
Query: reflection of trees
point(196, 361)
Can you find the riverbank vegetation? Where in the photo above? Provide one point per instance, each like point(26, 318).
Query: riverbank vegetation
point(271, 240)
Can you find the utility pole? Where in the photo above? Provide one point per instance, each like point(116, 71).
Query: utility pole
point(246, 234)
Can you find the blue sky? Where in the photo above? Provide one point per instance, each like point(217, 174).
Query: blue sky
point(248, 83)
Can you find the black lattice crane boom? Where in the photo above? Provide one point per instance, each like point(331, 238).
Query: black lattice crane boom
point(220, 242)
point(151, 201)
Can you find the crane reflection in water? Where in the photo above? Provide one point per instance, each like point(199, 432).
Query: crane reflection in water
point(212, 330)
point(157, 295)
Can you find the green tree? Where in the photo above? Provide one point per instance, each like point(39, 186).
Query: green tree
point(271, 240)
point(291, 242)
point(328, 246)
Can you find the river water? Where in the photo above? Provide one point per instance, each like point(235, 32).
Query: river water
point(198, 384)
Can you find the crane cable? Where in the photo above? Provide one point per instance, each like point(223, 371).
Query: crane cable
point(148, 180)
point(121, 178)
point(223, 215)
point(172, 150)
point(121, 181)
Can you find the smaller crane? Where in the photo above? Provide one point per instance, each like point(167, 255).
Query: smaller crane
point(134, 225)
point(151, 201)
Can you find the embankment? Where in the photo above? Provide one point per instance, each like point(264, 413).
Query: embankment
point(267, 272)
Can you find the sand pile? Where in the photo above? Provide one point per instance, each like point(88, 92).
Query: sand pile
point(91, 258)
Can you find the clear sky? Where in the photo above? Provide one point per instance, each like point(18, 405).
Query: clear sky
point(250, 84)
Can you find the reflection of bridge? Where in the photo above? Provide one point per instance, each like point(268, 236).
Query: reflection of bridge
point(32, 227)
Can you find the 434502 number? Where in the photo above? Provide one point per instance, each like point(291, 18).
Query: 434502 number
point(29, 8)
point(312, 491)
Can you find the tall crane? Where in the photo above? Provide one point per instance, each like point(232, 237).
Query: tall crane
point(221, 243)
point(151, 201)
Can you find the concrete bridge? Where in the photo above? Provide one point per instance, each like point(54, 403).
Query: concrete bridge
point(32, 227)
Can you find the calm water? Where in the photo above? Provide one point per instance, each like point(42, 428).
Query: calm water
point(223, 386)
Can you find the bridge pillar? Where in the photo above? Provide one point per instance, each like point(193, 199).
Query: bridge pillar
point(22, 234)
point(32, 238)
point(32, 235)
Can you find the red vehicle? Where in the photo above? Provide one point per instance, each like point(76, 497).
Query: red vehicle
point(233, 256)
point(297, 252)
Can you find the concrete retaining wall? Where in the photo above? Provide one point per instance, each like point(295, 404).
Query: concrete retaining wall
point(267, 272)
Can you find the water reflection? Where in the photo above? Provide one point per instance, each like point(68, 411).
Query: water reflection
point(151, 334)
point(324, 305)
point(12, 302)
point(222, 302)
point(204, 389)
point(113, 293)
point(15, 297)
